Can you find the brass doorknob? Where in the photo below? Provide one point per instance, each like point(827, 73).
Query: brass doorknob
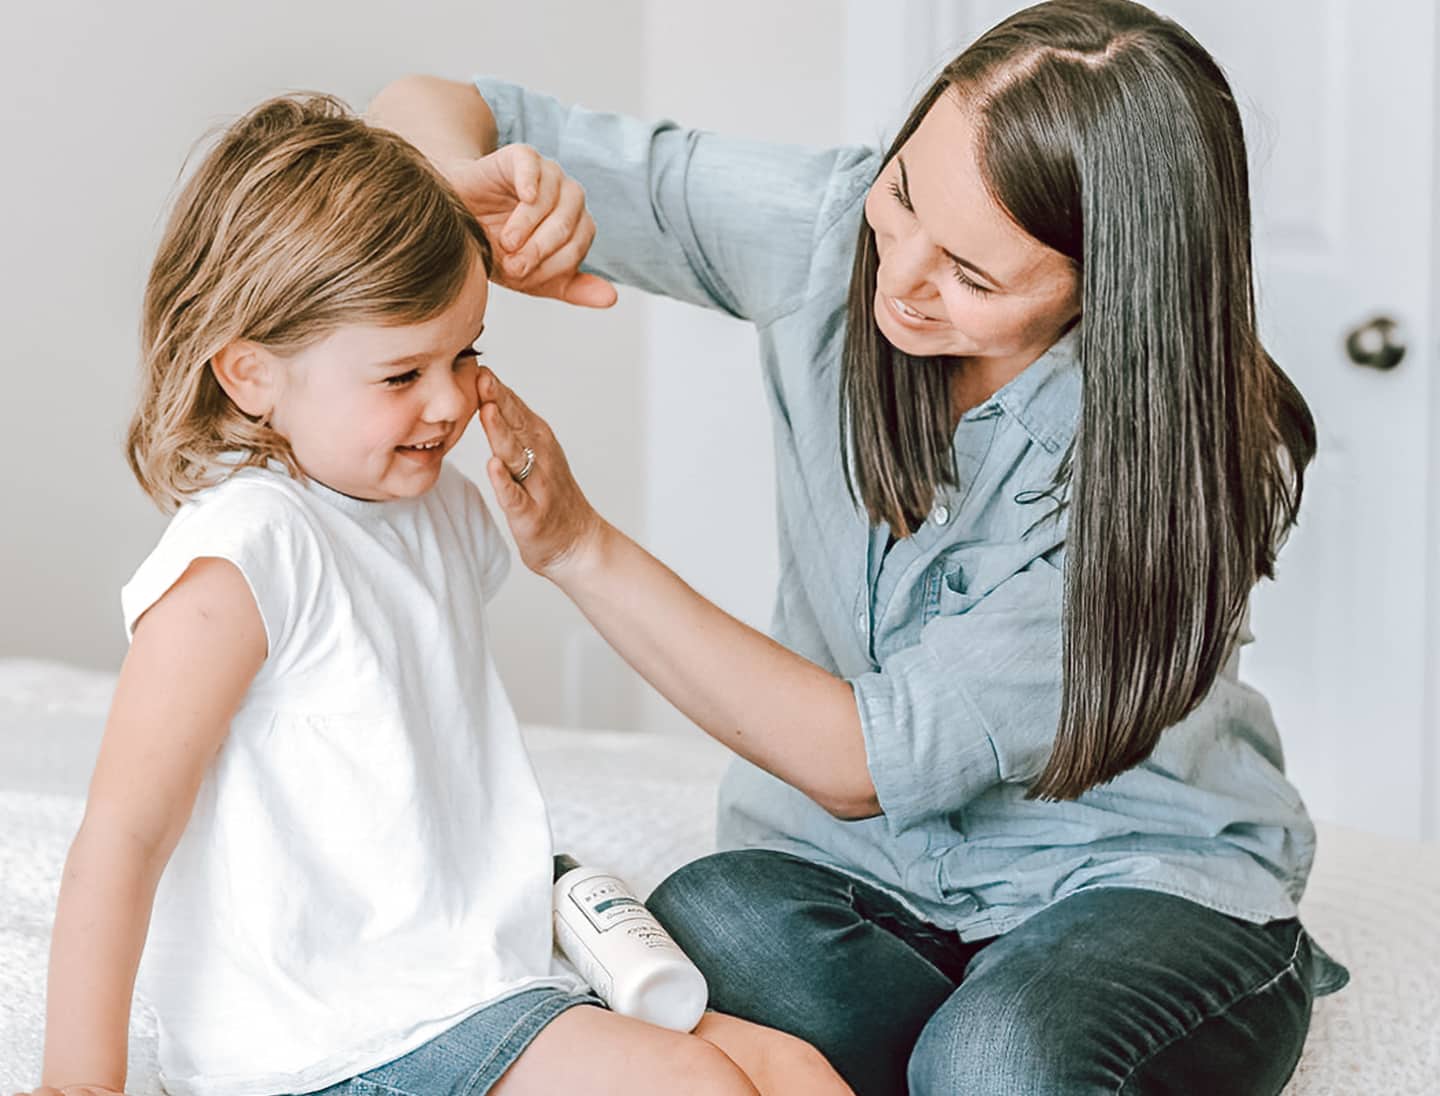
point(1378, 343)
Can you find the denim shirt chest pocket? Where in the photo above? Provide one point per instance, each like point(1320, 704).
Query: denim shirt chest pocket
point(955, 582)
point(965, 575)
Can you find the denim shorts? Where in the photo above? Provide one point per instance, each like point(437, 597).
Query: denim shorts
point(469, 1058)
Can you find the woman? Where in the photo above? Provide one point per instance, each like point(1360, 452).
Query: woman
point(1005, 821)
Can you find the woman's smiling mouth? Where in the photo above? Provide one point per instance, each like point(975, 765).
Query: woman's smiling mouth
point(909, 316)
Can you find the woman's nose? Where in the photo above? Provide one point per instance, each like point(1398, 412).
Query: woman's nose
point(905, 268)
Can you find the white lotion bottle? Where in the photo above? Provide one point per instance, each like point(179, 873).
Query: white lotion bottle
point(628, 958)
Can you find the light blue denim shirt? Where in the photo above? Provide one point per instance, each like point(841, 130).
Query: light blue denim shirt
point(951, 640)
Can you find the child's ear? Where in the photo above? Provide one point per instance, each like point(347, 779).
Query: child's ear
point(249, 375)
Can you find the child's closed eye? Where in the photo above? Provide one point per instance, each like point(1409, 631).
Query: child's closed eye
point(400, 380)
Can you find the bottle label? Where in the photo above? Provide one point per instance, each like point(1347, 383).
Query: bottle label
point(606, 903)
point(651, 934)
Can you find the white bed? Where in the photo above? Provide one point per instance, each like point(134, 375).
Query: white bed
point(642, 805)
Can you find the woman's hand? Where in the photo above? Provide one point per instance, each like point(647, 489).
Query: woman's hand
point(535, 217)
point(554, 525)
point(776, 709)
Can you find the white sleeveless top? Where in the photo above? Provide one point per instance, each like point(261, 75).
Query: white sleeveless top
point(369, 857)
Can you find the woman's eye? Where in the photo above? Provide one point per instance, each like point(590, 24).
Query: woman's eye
point(468, 357)
point(964, 279)
point(400, 380)
point(899, 194)
point(960, 276)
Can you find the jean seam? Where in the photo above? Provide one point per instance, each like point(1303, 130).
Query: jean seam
point(381, 1085)
point(500, 1044)
point(896, 926)
point(1285, 971)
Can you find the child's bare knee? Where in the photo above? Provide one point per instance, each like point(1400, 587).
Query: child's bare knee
point(707, 1070)
point(792, 1065)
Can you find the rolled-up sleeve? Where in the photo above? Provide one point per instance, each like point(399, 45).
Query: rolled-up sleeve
point(717, 221)
point(974, 703)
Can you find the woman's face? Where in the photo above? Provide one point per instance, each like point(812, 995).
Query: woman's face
point(957, 277)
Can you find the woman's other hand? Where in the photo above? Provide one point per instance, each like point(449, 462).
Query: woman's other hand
point(535, 217)
point(533, 214)
point(554, 526)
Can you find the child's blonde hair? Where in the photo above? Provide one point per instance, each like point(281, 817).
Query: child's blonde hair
point(301, 219)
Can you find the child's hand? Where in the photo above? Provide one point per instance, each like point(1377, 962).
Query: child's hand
point(73, 1090)
point(554, 525)
point(537, 223)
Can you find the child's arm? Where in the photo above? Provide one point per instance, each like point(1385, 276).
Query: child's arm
point(194, 654)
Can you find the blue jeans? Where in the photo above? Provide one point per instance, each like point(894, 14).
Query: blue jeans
point(469, 1058)
point(1110, 990)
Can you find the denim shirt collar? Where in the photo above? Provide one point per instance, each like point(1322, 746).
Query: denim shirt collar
point(1044, 398)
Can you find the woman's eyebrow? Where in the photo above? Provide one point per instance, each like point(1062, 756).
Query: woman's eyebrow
point(954, 258)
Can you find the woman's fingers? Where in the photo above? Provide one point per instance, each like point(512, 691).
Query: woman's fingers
point(487, 385)
point(561, 278)
point(516, 235)
point(518, 411)
point(588, 291)
point(564, 259)
point(505, 443)
point(490, 390)
point(564, 221)
point(491, 186)
point(535, 217)
point(511, 496)
point(525, 170)
point(515, 453)
point(548, 514)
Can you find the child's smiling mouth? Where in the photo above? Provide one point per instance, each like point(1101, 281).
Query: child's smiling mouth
point(425, 452)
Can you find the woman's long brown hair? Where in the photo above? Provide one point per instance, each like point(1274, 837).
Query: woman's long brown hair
point(1108, 134)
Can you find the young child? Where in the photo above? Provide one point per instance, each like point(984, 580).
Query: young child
point(312, 792)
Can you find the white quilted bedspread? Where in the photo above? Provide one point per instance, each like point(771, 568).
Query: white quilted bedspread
point(643, 805)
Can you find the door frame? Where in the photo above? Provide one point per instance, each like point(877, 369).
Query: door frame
point(1429, 355)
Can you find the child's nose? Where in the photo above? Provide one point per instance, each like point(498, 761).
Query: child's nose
point(448, 400)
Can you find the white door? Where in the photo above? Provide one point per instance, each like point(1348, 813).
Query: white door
point(1338, 98)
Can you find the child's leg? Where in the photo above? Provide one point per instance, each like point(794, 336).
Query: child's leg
point(775, 1062)
point(590, 1050)
point(600, 1053)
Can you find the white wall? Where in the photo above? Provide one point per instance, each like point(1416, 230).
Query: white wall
point(773, 72)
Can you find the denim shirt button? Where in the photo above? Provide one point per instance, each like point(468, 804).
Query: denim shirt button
point(941, 514)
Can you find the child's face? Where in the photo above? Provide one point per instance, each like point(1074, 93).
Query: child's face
point(371, 411)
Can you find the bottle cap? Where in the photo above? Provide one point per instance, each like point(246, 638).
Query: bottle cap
point(563, 863)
